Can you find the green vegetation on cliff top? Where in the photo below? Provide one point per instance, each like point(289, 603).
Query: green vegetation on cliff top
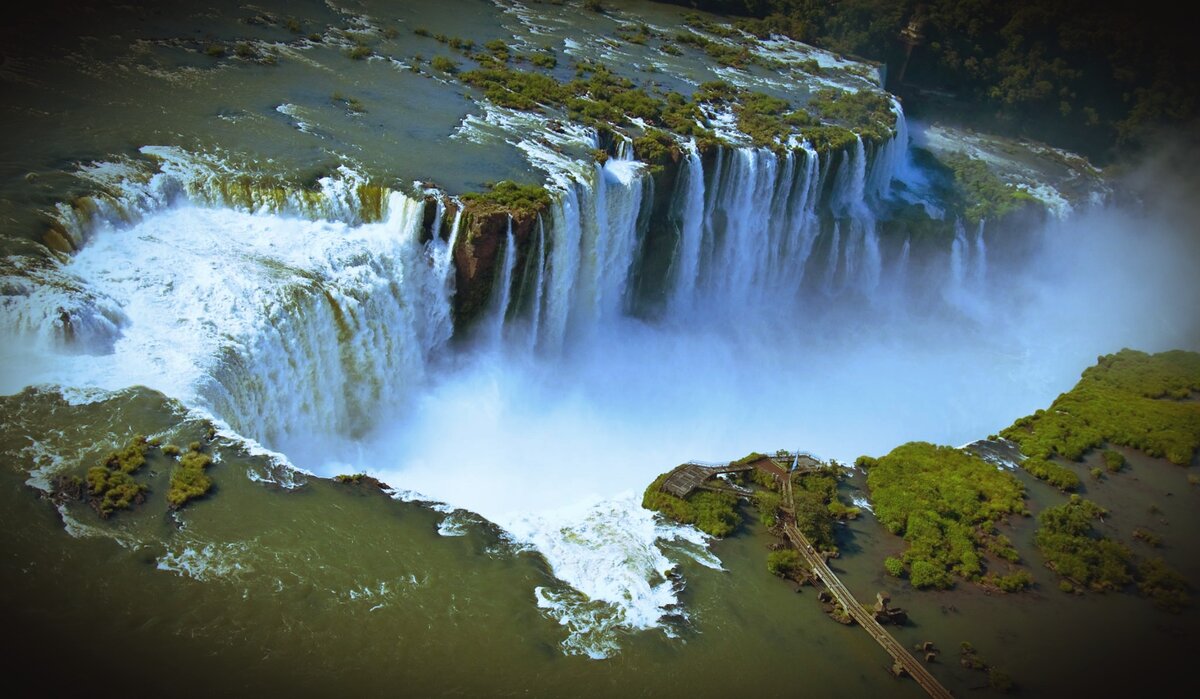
point(984, 195)
point(944, 502)
point(509, 197)
point(1129, 398)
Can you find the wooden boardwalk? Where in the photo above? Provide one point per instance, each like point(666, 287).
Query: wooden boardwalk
point(691, 475)
point(857, 612)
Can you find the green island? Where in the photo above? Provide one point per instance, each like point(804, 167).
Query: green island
point(946, 504)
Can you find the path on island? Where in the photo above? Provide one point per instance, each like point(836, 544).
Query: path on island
point(857, 612)
point(694, 474)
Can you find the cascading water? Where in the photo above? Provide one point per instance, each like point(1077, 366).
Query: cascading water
point(332, 326)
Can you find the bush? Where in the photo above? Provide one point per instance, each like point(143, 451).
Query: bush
point(543, 60)
point(1045, 470)
point(1013, 582)
point(927, 574)
point(129, 458)
point(444, 65)
point(1114, 461)
point(1163, 585)
point(359, 52)
point(986, 195)
point(1077, 552)
point(1148, 537)
point(894, 566)
point(784, 563)
point(189, 481)
point(187, 484)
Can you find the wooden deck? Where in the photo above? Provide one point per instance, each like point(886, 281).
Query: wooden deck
point(692, 475)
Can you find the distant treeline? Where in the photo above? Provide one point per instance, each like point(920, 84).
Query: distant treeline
point(1098, 77)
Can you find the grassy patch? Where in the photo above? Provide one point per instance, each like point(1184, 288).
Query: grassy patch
point(509, 197)
point(944, 502)
point(1129, 398)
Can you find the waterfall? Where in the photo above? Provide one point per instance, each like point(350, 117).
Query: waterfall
point(958, 254)
point(501, 290)
point(563, 263)
point(889, 162)
point(356, 326)
point(689, 221)
point(539, 284)
point(979, 266)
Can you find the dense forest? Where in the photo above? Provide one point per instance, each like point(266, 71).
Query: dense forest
point(1101, 78)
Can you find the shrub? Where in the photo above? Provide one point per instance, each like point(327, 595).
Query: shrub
point(1077, 552)
point(999, 680)
point(543, 60)
point(1163, 585)
point(444, 65)
point(894, 566)
point(189, 481)
point(784, 563)
point(187, 484)
point(985, 194)
point(359, 52)
point(1113, 460)
point(113, 490)
point(1013, 582)
point(129, 458)
point(1045, 470)
point(1148, 537)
